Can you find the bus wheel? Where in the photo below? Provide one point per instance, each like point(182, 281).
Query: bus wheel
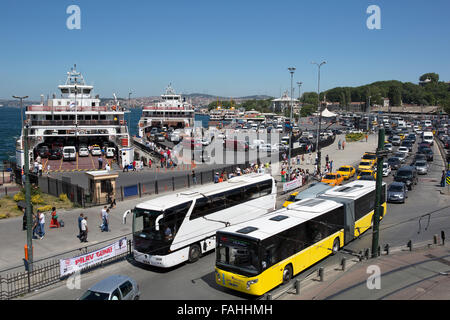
point(194, 253)
point(335, 248)
point(287, 274)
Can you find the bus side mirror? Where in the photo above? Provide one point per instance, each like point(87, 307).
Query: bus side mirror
point(157, 222)
point(124, 218)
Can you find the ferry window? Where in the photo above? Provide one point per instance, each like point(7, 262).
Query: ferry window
point(57, 117)
point(48, 117)
point(65, 90)
point(102, 117)
point(64, 117)
point(71, 117)
point(86, 91)
point(95, 117)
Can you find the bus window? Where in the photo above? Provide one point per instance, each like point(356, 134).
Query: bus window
point(174, 216)
point(239, 254)
point(251, 192)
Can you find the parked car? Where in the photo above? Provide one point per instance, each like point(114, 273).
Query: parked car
point(407, 144)
point(407, 175)
point(419, 156)
point(83, 152)
point(365, 173)
point(397, 192)
point(386, 169)
point(96, 151)
point(43, 152)
point(115, 287)
point(394, 163)
point(421, 166)
point(55, 154)
point(365, 165)
point(69, 153)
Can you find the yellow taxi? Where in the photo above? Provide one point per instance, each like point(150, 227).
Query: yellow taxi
point(365, 165)
point(333, 179)
point(290, 200)
point(346, 171)
point(367, 173)
point(370, 156)
point(402, 136)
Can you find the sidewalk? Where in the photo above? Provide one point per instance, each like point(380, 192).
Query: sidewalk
point(423, 274)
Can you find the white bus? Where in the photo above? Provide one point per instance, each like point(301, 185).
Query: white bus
point(180, 227)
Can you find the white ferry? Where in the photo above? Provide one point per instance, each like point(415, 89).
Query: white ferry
point(74, 119)
point(172, 111)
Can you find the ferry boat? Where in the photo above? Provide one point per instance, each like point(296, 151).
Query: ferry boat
point(75, 118)
point(171, 111)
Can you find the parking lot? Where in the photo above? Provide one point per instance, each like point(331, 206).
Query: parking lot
point(80, 164)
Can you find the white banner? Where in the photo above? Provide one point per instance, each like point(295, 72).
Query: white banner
point(72, 265)
point(291, 185)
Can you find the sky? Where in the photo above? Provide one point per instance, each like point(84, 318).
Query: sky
point(225, 48)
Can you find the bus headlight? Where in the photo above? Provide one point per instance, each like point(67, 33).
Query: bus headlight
point(250, 282)
point(218, 276)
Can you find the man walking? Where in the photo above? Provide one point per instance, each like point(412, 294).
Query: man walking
point(41, 224)
point(194, 178)
point(443, 178)
point(339, 144)
point(100, 162)
point(105, 216)
point(80, 218)
point(102, 215)
point(84, 230)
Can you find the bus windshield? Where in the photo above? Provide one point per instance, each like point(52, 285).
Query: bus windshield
point(145, 224)
point(238, 255)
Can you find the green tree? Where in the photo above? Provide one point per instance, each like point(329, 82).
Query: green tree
point(395, 96)
point(434, 77)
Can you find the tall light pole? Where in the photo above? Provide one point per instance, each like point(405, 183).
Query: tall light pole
point(291, 70)
point(320, 114)
point(368, 114)
point(299, 99)
point(21, 106)
point(129, 111)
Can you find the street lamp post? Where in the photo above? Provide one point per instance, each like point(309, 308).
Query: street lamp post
point(320, 115)
point(299, 99)
point(291, 70)
point(368, 114)
point(21, 105)
point(129, 111)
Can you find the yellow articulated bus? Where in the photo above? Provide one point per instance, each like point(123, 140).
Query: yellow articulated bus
point(258, 255)
point(359, 200)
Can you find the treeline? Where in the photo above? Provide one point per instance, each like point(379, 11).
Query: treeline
point(430, 92)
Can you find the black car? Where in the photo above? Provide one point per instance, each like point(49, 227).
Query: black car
point(55, 154)
point(407, 175)
point(428, 153)
point(408, 144)
point(394, 163)
point(419, 157)
point(411, 137)
point(44, 152)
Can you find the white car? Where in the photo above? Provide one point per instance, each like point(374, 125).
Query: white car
point(404, 150)
point(96, 151)
point(83, 152)
point(386, 169)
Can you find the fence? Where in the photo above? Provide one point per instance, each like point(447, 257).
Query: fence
point(55, 187)
point(46, 272)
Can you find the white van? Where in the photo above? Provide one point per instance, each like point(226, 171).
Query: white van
point(69, 153)
point(110, 152)
point(427, 136)
point(427, 123)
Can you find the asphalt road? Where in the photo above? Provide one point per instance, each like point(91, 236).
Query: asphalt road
point(196, 281)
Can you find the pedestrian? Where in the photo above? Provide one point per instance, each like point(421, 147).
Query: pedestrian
point(84, 230)
point(283, 175)
point(107, 167)
point(102, 214)
point(443, 178)
point(41, 224)
point(216, 178)
point(343, 145)
point(298, 160)
point(80, 218)
point(54, 222)
point(367, 137)
point(331, 165)
point(105, 217)
point(36, 227)
point(339, 144)
point(48, 169)
point(134, 165)
point(40, 169)
point(194, 178)
point(100, 162)
point(327, 159)
point(150, 163)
